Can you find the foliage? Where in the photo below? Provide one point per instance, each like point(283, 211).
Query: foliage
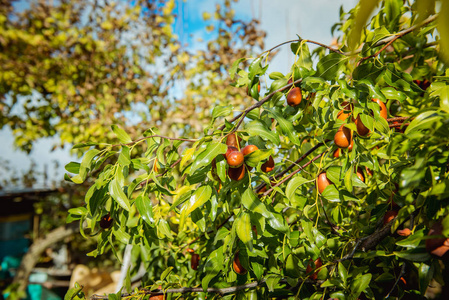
point(75, 68)
point(294, 241)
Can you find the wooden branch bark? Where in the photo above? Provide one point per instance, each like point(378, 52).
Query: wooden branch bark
point(36, 249)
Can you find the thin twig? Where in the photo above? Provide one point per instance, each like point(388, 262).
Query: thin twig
point(398, 125)
point(280, 174)
point(162, 174)
point(257, 105)
point(185, 290)
point(397, 119)
point(291, 174)
point(209, 232)
point(332, 225)
point(401, 273)
point(393, 37)
point(153, 136)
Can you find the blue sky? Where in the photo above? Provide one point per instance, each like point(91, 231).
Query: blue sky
point(281, 19)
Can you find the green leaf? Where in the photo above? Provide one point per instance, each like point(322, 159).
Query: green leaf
point(257, 156)
point(328, 66)
point(416, 255)
point(277, 222)
point(291, 266)
point(87, 162)
point(342, 272)
point(205, 158)
point(73, 167)
point(122, 136)
point(222, 111)
point(443, 29)
point(121, 235)
point(257, 128)
point(251, 202)
point(118, 195)
point(201, 196)
point(286, 126)
point(243, 229)
point(360, 284)
point(366, 7)
point(145, 209)
point(235, 67)
point(293, 185)
point(213, 266)
point(424, 120)
point(163, 229)
point(302, 50)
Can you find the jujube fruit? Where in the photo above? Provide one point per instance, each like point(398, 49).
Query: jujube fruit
point(230, 149)
point(322, 182)
point(235, 159)
point(238, 268)
point(383, 108)
point(194, 261)
point(404, 232)
point(342, 114)
point(318, 264)
point(437, 246)
point(360, 174)
point(249, 149)
point(343, 137)
point(231, 140)
point(237, 173)
point(389, 215)
point(361, 128)
point(106, 221)
point(294, 97)
point(268, 166)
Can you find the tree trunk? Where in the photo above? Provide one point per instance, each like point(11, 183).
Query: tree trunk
point(30, 259)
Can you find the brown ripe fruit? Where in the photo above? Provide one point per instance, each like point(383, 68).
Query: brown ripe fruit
point(342, 115)
point(437, 246)
point(194, 261)
point(389, 215)
point(158, 297)
point(337, 153)
point(361, 129)
point(230, 149)
point(318, 264)
point(343, 137)
point(322, 182)
point(231, 140)
point(268, 166)
point(369, 171)
point(237, 173)
point(235, 159)
point(106, 221)
point(383, 108)
point(238, 268)
point(360, 174)
point(249, 149)
point(294, 97)
point(404, 232)
point(157, 167)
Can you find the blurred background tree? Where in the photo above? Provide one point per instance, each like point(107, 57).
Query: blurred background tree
point(72, 68)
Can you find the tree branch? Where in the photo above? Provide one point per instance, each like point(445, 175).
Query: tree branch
point(256, 105)
point(291, 174)
point(153, 136)
point(36, 249)
point(280, 174)
point(185, 290)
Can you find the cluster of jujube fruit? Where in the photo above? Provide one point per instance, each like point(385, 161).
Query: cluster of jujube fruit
point(236, 158)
